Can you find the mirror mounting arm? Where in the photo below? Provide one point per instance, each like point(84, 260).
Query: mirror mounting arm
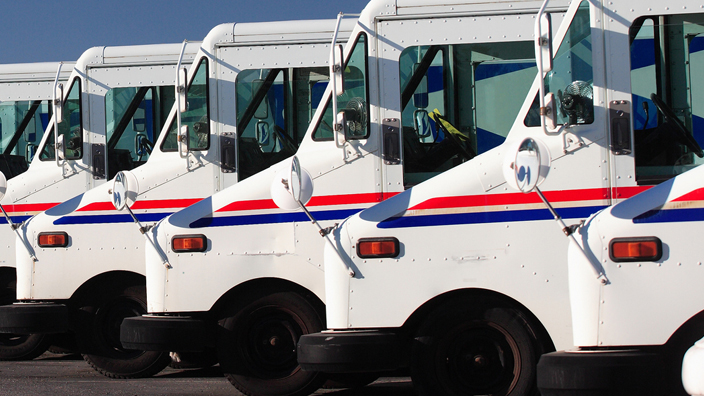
point(143, 230)
point(15, 227)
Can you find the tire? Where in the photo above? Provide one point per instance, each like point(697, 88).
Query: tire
point(19, 346)
point(257, 346)
point(475, 346)
point(98, 335)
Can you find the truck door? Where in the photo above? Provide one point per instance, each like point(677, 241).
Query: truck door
point(457, 100)
point(665, 86)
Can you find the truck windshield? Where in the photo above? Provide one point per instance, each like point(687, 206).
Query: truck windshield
point(195, 118)
point(70, 128)
point(22, 125)
point(133, 118)
point(459, 101)
point(274, 107)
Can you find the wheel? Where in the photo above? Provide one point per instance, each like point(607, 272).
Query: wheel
point(98, 335)
point(257, 346)
point(18, 346)
point(683, 135)
point(476, 346)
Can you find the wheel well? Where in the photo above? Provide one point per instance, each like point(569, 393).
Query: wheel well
point(239, 296)
point(540, 334)
point(105, 282)
point(8, 277)
point(691, 331)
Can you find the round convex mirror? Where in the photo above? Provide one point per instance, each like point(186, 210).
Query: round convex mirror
point(119, 191)
point(526, 166)
point(294, 183)
point(3, 185)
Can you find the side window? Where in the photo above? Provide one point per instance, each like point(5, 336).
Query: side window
point(572, 75)
point(70, 128)
point(354, 100)
point(271, 104)
point(668, 101)
point(22, 125)
point(196, 118)
point(444, 123)
point(133, 118)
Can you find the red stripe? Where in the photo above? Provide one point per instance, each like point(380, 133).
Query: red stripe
point(696, 195)
point(326, 200)
point(36, 207)
point(155, 204)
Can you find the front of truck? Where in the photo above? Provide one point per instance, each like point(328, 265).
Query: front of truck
point(78, 269)
point(631, 334)
point(459, 277)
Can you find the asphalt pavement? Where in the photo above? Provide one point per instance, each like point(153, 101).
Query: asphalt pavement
point(55, 374)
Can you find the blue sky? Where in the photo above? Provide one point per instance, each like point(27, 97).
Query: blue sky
point(60, 30)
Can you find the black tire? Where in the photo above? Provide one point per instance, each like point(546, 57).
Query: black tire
point(18, 346)
point(257, 346)
point(98, 335)
point(475, 346)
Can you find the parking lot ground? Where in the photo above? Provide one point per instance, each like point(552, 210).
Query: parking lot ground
point(54, 374)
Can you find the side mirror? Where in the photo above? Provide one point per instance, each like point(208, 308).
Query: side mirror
point(182, 90)
point(292, 187)
point(526, 165)
point(336, 71)
point(60, 147)
point(340, 128)
point(544, 42)
point(3, 185)
point(58, 106)
point(183, 141)
point(124, 190)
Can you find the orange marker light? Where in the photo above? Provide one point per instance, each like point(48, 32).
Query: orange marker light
point(377, 247)
point(635, 249)
point(52, 239)
point(189, 243)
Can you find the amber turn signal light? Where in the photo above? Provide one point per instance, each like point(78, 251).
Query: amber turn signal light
point(635, 249)
point(52, 239)
point(377, 247)
point(189, 243)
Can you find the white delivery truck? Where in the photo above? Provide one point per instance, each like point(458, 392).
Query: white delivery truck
point(26, 91)
point(631, 333)
point(426, 87)
point(114, 103)
point(86, 269)
point(462, 279)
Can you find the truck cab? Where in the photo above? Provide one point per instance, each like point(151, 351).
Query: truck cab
point(26, 91)
point(460, 279)
point(239, 109)
point(423, 90)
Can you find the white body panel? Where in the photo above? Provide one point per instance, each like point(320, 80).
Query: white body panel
point(250, 239)
point(108, 240)
point(640, 294)
point(45, 183)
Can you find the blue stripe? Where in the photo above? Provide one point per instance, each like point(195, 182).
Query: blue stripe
point(670, 216)
point(273, 218)
point(109, 219)
point(486, 217)
point(15, 219)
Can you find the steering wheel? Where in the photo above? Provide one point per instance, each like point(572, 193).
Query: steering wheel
point(287, 141)
point(681, 131)
point(454, 140)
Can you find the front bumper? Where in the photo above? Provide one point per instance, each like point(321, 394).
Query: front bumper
point(34, 318)
point(167, 333)
point(602, 372)
point(353, 351)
